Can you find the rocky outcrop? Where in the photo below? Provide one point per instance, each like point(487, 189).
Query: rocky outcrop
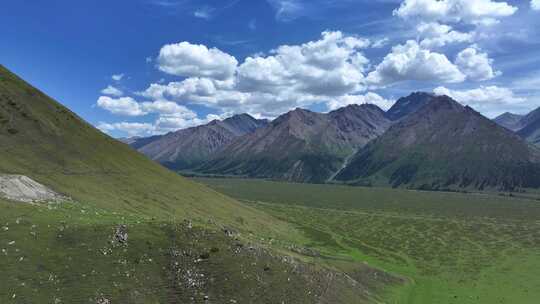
point(24, 189)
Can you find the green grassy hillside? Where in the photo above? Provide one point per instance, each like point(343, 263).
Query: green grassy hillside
point(44, 140)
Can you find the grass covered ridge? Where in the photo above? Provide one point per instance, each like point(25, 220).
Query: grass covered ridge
point(47, 142)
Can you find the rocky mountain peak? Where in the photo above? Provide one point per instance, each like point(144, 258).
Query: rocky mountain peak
point(408, 105)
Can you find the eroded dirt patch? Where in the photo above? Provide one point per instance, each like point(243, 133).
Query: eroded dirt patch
point(24, 189)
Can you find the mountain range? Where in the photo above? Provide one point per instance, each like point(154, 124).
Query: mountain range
point(510, 121)
point(531, 127)
point(301, 145)
point(423, 141)
point(188, 148)
point(446, 146)
point(527, 126)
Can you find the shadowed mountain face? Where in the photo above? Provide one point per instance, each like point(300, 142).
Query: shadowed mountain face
point(446, 146)
point(531, 127)
point(301, 145)
point(408, 105)
point(190, 147)
point(510, 121)
point(526, 126)
point(530, 118)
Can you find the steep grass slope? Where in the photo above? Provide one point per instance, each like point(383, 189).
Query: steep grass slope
point(45, 141)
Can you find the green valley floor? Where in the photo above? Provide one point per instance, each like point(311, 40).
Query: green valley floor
point(451, 247)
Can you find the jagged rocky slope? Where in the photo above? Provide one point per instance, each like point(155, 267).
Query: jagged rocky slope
point(301, 145)
point(188, 148)
point(408, 105)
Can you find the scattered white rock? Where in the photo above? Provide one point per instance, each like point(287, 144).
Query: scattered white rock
point(103, 300)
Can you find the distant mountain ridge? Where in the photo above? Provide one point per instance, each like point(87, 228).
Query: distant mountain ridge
point(510, 121)
point(188, 148)
point(443, 146)
point(301, 145)
point(531, 127)
point(193, 148)
point(526, 126)
point(423, 141)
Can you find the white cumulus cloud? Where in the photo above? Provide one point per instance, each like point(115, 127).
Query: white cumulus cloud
point(290, 76)
point(112, 91)
point(121, 106)
point(410, 61)
point(436, 35)
point(490, 100)
point(469, 11)
point(164, 107)
point(368, 98)
point(535, 5)
point(130, 128)
point(170, 116)
point(196, 60)
point(476, 65)
point(330, 66)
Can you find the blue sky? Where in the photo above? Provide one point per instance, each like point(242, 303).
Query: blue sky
point(180, 63)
